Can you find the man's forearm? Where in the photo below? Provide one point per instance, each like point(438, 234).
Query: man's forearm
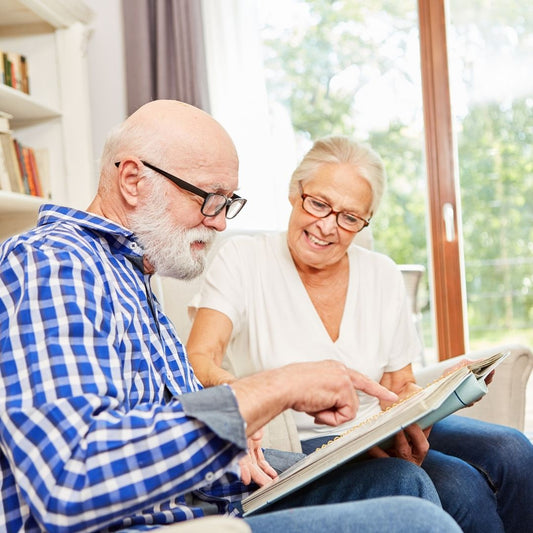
point(261, 397)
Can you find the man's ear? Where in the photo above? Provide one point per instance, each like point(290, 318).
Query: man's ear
point(130, 173)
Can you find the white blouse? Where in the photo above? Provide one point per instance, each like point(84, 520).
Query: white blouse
point(253, 281)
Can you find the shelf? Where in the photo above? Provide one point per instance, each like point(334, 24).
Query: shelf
point(44, 14)
point(18, 212)
point(12, 202)
point(24, 108)
point(54, 118)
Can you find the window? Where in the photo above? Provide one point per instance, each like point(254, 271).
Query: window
point(491, 53)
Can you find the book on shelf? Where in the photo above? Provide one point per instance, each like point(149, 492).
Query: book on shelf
point(456, 389)
point(6, 68)
point(15, 71)
point(9, 70)
point(30, 176)
point(16, 79)
point(5, 182)
point(28, 169)
point(25, 80)
point(22, 166)
point(33, 171)
point(24, 176)
point(42, 161)
point(12, 163)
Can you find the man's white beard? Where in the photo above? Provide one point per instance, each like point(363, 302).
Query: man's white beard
point(167, 246)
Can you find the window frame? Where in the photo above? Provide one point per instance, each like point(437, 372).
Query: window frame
point(448, 278)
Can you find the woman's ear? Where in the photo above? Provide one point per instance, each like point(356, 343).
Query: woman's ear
point(292, 199)
point(293, 195)
point(129, 176)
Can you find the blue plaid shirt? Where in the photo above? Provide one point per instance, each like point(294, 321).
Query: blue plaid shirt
point(102, 421)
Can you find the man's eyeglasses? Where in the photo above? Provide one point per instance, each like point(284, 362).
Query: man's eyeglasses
point(213, 203)
point(320, 209)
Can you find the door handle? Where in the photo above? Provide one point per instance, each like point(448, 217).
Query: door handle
point(448, 215)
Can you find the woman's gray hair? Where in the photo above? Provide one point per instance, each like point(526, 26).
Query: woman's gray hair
point(339, 150)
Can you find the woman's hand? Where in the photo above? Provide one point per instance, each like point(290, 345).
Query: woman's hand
point(488, 378)
point(410, 444)
point(254, 467)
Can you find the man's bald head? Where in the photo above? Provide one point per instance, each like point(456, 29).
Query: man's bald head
point(179, 138)
point(169, 131)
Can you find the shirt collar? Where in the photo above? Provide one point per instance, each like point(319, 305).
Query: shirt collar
point(118, 237)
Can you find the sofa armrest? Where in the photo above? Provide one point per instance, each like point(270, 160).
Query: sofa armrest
point(505, 402)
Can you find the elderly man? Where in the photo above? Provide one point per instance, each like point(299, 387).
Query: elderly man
point(103, 424)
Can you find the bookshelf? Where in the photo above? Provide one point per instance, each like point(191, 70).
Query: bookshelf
point(55, 116)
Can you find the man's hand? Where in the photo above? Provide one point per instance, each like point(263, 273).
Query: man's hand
point(254, 467)
point(329, 391)
point(410, 444)
point(325, 390)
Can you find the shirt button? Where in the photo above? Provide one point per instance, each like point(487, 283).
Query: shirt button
point(209, 477)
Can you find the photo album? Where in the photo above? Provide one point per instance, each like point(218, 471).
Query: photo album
point(456, 389)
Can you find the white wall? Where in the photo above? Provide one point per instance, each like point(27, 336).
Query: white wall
point(107, 78)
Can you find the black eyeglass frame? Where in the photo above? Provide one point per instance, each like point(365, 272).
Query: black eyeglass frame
point(333, 212)
point(182, 184)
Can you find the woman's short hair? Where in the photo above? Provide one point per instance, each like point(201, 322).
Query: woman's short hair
point(341, 149)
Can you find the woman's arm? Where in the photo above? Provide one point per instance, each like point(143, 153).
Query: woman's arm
point(207, 344)
point(208, 340)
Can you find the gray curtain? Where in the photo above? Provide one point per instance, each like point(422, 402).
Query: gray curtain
point(165, 54)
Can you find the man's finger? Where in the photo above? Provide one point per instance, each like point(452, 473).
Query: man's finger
point(365, 384)
point(337, 415)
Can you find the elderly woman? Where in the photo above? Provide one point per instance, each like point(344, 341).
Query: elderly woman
point(310, 294)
